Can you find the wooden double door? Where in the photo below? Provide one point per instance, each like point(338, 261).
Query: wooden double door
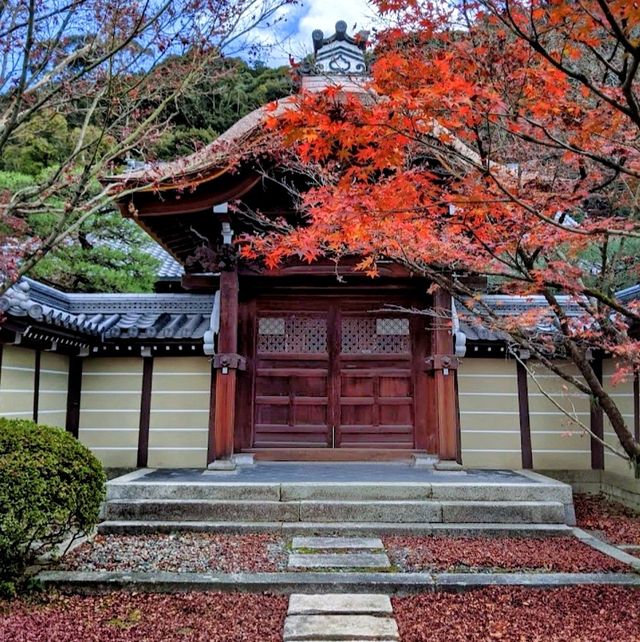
point(337, 374)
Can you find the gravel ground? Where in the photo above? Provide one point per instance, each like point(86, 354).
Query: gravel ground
point(181, 552)
point(556, 554)
point(515, 614)
point(611, 520)
point(126, 617)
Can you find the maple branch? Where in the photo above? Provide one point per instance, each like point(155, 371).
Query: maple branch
point(617, 30)
point(536, 45)
point(572, 416)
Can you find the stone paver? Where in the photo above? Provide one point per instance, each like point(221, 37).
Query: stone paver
point(334, 627)
point(360, 553)
point(340, 617)
point(338, 560)
point(336, 603)
point(333, 543)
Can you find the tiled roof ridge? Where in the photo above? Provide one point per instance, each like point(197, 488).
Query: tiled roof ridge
point(187, 316)
point(78, 302)
point(167, 316)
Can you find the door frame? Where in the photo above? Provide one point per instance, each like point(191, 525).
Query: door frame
point(331, 300)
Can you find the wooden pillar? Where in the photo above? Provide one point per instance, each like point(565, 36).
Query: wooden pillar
point(597, 422)
point(636, 406)
point(442, 365)
point(145, 412)
point(211, 439)
point(74, 391)
point(36, 385)
point(226, 363)
point(525, 419)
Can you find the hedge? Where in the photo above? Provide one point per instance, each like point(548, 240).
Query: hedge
point(51, 488)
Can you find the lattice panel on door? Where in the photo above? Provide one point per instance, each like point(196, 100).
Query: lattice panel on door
point(370, 335)
point(297, 335)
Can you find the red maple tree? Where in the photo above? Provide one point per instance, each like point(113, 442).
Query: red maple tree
point(494, 138)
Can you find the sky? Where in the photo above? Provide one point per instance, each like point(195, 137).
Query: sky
point(293, 35)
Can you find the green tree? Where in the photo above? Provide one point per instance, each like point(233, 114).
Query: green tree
point(105, 254)
point(87, 84)
point(231, 90)
point(43, 142)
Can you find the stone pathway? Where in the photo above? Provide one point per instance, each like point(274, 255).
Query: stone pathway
point(340, 618)
point(344, 553)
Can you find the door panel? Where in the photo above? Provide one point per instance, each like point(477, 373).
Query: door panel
point(376, 382)
point(292, 381)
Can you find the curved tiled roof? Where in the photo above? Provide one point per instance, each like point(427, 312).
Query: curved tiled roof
point(186, 317)
point(169, 268)
point(629, 294)
point(111, 316)
point(205, 163)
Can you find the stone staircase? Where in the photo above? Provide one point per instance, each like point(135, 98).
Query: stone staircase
point(139, 505)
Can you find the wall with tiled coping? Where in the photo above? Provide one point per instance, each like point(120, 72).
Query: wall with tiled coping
point(110, 410)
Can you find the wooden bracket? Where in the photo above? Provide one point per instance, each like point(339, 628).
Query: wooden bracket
point(229, 361)
point(442, 362)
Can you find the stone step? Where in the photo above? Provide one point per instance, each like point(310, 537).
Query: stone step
point(336, 543)
point(432, 511)
point(340, 603)
point(299, 628)
point(340, 491)
point(419, 491)
point(355, 560)
point(429, 511)
point(148, 527)
point(193, 490)
point(201, 510)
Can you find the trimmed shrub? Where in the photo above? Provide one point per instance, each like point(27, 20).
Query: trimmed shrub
point(51, 488)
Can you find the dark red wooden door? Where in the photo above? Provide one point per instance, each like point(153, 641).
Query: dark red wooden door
point(292, 380)
point(336, 377)
point(375, 382)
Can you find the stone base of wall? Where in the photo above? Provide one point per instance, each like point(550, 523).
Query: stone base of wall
point(620, 488)
point(112, 473)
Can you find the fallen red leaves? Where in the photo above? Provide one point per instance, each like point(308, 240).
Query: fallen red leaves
point(516, 614)
point(125, 617)
point(618, 524)
point(557, 554)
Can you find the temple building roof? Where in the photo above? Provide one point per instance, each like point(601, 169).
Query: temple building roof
point(169, 268)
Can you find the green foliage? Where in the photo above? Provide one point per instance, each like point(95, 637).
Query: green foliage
point(11, 182)
point(42, 142)
point(182, 141)
point(107, 255)
point(617, 264)
point(14, 181)
point(211, 107)
point(51, 487)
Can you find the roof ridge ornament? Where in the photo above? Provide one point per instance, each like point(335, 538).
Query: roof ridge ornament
point(339, 54)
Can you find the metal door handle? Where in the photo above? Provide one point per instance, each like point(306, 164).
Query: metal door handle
point(333, 436)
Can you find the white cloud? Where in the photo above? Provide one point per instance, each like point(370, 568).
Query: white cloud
point(323, 14)
point(294, 36)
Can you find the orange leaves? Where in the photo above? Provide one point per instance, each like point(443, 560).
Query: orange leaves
point(473, 151)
